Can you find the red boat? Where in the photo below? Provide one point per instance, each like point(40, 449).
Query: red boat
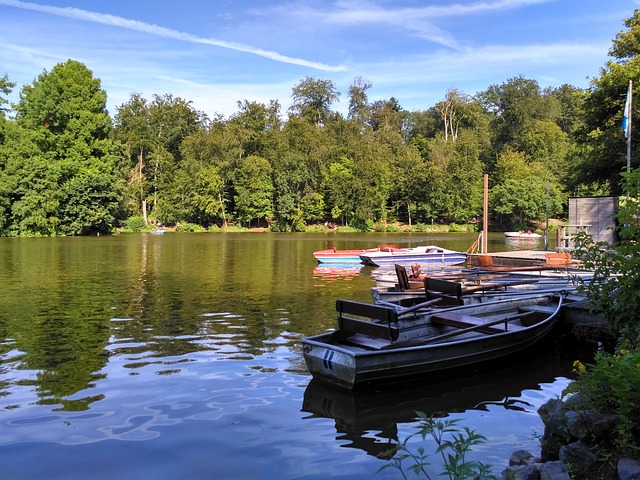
point(333, 255)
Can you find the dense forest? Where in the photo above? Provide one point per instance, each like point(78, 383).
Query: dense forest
point(69, 168)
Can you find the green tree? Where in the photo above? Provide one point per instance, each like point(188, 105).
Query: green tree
point(152, 133)
point(6, 187)
point(6, 87)
point(514, 105)
point(520, 189)
point(339, 189)
point(358, 101)
point(70, 173)
point(544, 142)
point(601, 140)
point(254, 189)
point(312, 99)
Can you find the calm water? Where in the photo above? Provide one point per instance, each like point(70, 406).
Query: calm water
point(177, 356)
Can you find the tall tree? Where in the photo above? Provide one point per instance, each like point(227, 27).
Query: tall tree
point(152, 133)
point(71, 175)
point(515, 104)
point(6, 87)
point(254, 190)
point(358, 100)
point(601, 140)
point(312, 100)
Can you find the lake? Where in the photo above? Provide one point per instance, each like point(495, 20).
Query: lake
point(178, 356)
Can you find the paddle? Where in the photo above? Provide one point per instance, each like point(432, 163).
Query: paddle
point(414, 342)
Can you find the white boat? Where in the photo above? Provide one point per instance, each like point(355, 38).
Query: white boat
point(425, 256)
point(377, 343)
point(522, 234)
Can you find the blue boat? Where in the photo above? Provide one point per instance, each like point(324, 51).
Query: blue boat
point(429, 255)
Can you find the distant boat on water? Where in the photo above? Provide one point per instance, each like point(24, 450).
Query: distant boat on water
point(522, 234)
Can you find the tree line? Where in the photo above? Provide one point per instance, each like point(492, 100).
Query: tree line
point(69, 168)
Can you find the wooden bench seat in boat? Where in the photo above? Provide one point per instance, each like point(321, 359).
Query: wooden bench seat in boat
point(449, 292)
point(459, 320)
point(375, 321)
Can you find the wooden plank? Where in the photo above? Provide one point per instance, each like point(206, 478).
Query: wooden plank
point(464, 321)
point(415, 342)
point(443, 286)
point(372, 329)
point(367, 310)
point(363, 341)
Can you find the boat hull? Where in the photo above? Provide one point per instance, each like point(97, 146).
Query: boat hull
point(349, 366)
point(338, 257)
point(429, 256)
point(333, 255)
point(521, 235)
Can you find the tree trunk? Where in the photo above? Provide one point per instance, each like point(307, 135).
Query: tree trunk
point(144, 210)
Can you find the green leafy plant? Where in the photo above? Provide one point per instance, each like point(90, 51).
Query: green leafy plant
point(135, 224)
point(614, 290)
point(452, 444)
point(189, 227)
point(612, 385)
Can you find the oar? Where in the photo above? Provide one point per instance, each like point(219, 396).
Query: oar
point(414, 342)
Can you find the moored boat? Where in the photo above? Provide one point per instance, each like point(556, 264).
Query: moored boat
point(474, 287)
point(333, 255)
point(522, 234)
point(428, 255)
point(378, 343)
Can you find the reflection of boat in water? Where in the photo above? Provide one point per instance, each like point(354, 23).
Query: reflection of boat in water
point(337, 270)
point(368, 419)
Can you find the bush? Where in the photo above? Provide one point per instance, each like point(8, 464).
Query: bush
point(362, 225)
point(614, 290)
point(385, 227)
point(612, 385)
point(467, 227)
point(135, 224)
point(189, 227)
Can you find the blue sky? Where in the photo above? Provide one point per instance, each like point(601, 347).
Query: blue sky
point(217, 52)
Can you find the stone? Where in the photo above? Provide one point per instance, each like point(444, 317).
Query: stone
point(521, 472)
point(522, 457)
point(554, 471)
point(579, 456)
point(587, 424)
point(549, 409)
point(628, 469)
point(556, 433)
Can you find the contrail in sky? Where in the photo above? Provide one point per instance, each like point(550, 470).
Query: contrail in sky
point(116, 21)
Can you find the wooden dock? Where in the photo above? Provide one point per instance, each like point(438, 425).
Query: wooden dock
point(524, 258)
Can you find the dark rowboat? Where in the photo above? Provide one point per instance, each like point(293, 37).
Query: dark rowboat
point(380, 343)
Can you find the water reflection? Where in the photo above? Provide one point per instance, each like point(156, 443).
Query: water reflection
point(191, 343)
point(337, 271)
point(368, 419)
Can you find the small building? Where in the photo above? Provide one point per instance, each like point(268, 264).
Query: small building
point(594, 215)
